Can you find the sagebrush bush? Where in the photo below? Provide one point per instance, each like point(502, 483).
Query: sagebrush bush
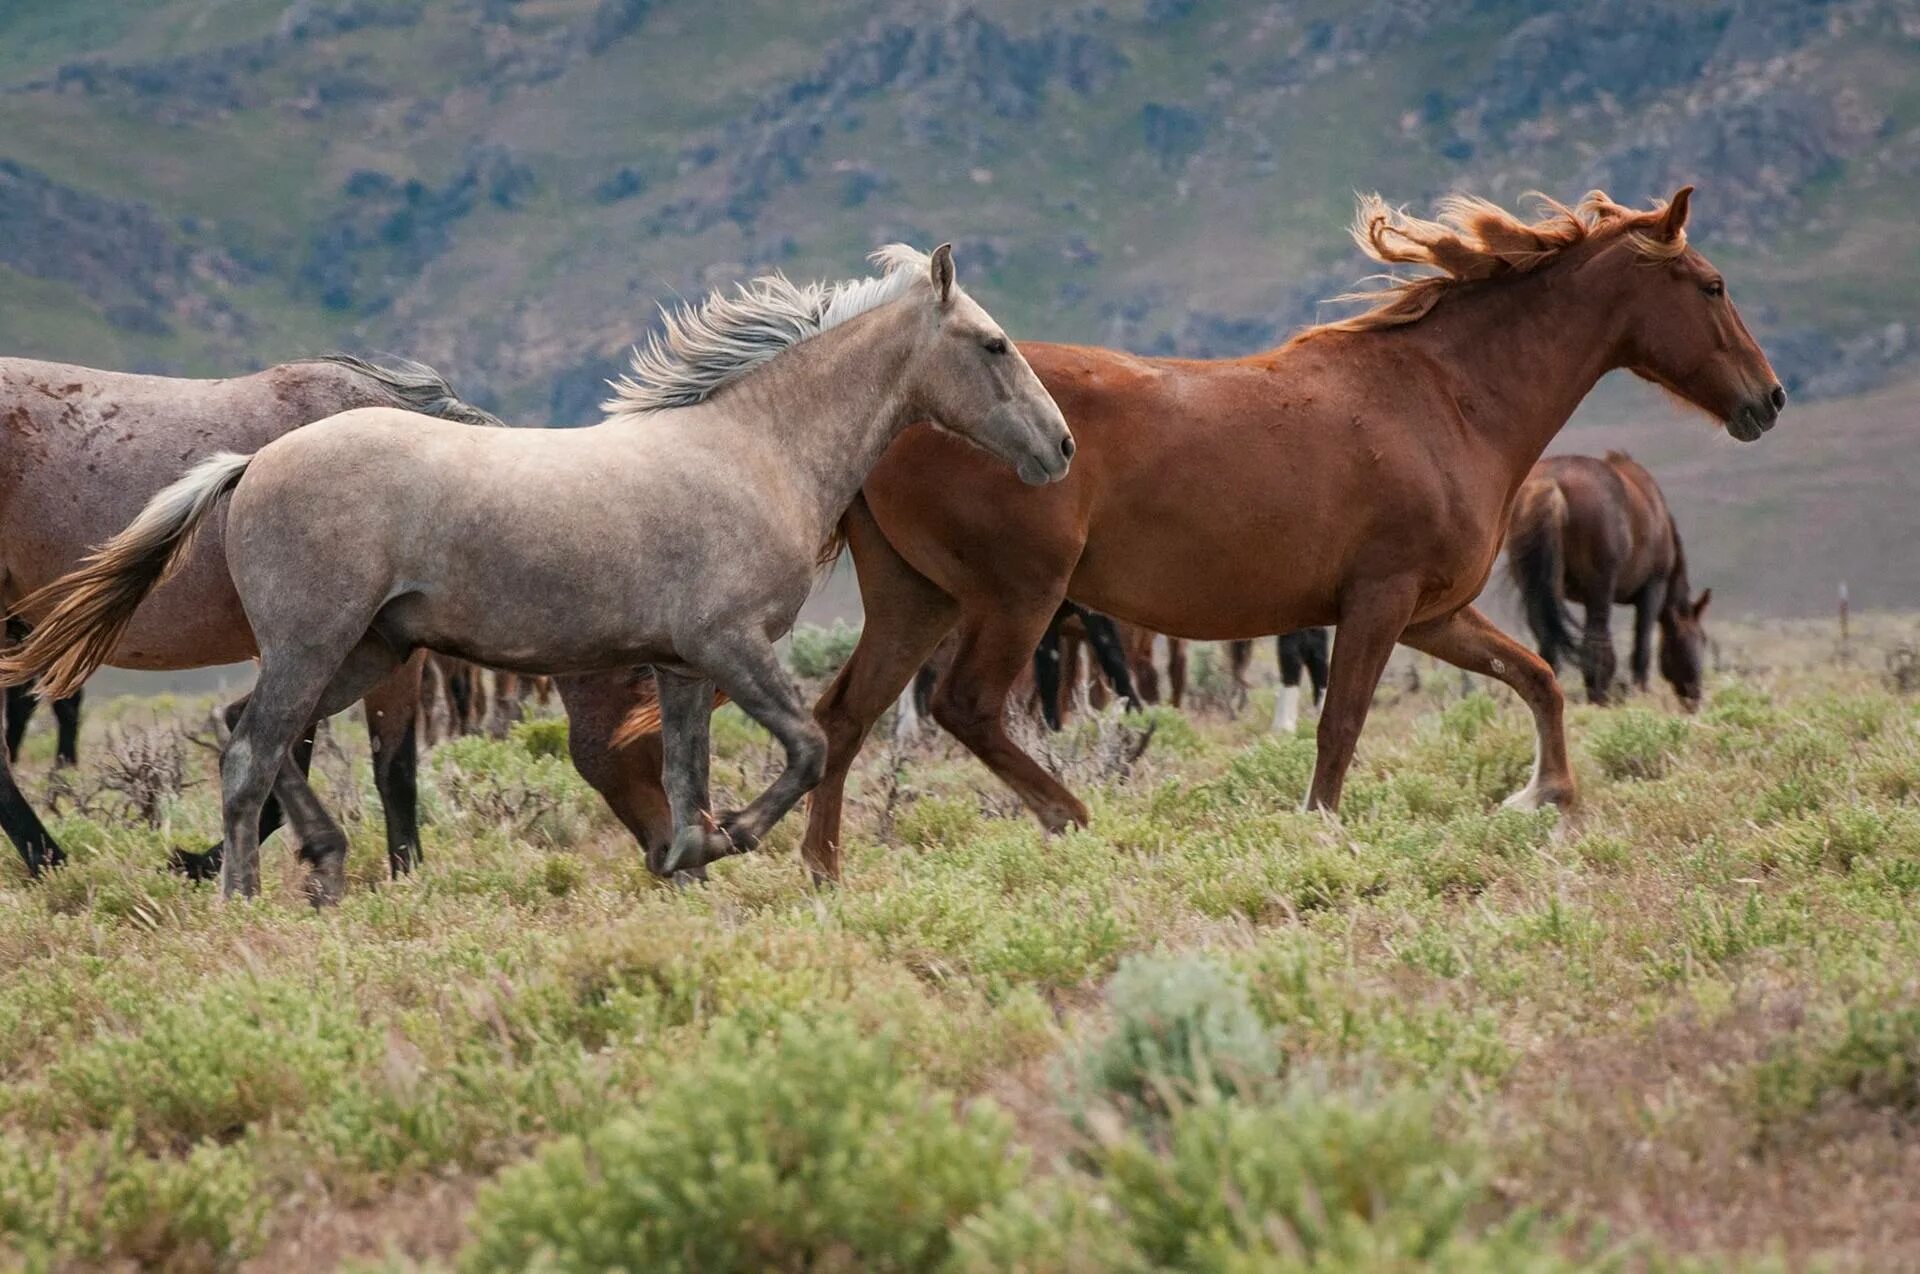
point(814, 1151)
point(1181, 1025)
point(517, 783)
point(1636, 743)
point(1313, 1179)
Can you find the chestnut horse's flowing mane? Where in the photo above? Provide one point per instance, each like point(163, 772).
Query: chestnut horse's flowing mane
point(702, 347)
point(1473, 240)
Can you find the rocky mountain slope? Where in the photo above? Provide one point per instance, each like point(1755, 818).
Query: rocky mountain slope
point(509, 188)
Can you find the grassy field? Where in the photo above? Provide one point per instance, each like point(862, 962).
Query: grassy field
point(1680, 1032)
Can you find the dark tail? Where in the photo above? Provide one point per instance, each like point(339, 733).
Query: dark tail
point(1537, 565)
point(414, 386)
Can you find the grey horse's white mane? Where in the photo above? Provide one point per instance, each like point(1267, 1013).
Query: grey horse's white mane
point(702, 347)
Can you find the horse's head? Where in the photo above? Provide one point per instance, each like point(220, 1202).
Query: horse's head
point(1683, 647)
point(970, 379)
point(1685, 335)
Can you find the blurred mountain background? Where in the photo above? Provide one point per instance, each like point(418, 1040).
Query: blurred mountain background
point(509, 188)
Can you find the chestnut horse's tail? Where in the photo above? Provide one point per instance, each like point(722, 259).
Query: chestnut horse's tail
point(88, 609)
point(645, 718)
point(1536, 562)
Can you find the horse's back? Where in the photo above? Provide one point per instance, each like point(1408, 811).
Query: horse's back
point(82, 450)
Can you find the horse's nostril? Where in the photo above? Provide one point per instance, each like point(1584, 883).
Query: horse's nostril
point(1779, 397)
point(1066, 447)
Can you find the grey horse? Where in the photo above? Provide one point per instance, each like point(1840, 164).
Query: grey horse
point(683, 531)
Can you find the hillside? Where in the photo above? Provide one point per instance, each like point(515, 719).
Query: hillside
point(508, 188)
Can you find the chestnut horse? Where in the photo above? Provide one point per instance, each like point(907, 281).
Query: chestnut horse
point(1598, 532)
point(1392, 442)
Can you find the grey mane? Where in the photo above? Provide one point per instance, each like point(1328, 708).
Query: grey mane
point(414, 386)
point(702, 347)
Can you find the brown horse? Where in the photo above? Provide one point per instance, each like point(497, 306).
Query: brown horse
point(1598, 532)
point(85, 450)
point(1392, 443)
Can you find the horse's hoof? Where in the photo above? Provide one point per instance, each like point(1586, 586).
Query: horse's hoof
point(201, 867)
point(693, 848)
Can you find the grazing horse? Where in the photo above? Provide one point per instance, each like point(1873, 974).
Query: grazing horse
point(1598, 532)
point(684, 531)
point(1393, 442)
point(86, 449)
point(1304, 651)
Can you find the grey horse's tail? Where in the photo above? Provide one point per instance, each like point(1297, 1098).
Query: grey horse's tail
point(88, 609)
point(1536, 561)
point(414, 386)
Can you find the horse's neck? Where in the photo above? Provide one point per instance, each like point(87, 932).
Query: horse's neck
point(829, 407)
point(1526, 352)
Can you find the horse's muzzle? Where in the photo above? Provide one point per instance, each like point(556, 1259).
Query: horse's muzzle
point(1757, 415)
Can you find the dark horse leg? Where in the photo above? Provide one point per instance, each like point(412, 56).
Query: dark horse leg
point(23, 827)
point(1109, 649)
point(1646, 612)
point(1597, 662)
point(1176, 671)
point(66, 718)
point(393, 711)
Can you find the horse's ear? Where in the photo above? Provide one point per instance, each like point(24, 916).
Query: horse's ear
point(1700, 603)
point(1674, 220)
point(942, 270)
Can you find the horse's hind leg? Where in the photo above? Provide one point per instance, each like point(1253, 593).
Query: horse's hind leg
point(747, 668)
point(393, 711)
point(1467, 639)
point(21, 705)
point(206, 865)
point(1286, 699)
point(293, 690)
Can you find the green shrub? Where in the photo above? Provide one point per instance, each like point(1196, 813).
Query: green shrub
point(515, 785)
point(1636, 743)
point(541, 736)
point(85, 1203)
point(208, 1067)
point(1874, 1060)
point(1314, 1180)
point(816, 653)
point(1182, 1024)
point(811, 1152)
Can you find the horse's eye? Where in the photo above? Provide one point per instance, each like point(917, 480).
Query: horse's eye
point(1714, 288)
point(998, 345)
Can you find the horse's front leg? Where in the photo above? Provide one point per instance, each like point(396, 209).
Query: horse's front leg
point(1372, 618)
point(686, 708)
point(747, 668)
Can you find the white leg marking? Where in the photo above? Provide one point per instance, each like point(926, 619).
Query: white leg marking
point(1286, 709)
point(906, 717)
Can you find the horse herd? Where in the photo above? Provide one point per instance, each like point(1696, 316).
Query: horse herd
point(339, 521)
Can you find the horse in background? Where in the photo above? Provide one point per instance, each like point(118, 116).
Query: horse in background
point(1303, 651)
point(1598, 532)
point(1057, 673)
point(89, 448)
